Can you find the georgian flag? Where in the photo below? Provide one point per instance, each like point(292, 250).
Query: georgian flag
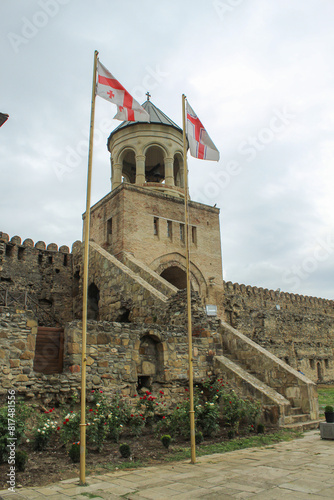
point(109, 88)
point(200, 144)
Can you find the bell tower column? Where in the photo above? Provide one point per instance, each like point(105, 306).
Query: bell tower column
point(116, 179)
point(140, 169)
point(169, 171)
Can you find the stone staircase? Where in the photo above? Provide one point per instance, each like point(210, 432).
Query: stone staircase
point(288, 397)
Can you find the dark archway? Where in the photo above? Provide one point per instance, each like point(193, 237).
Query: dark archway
point(154, 165)
point(176, 276)
point(93, 302)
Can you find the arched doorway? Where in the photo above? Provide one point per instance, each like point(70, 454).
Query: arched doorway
point(176, 276)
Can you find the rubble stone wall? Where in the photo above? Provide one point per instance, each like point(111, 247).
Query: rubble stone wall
point(297, 329)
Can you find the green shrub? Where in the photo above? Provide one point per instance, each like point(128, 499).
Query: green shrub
point(166, 439)
point(260, 429)
point(136, 424)
point(116, 412)
point(231, 433)
point(74, 453)
point(42, 434)
point(208, 418)
point(70, 428)
point(329, 409)
point(198, 437)
point(97, 429)
point(251, 412)
point(233, 409)
point(21, 458)
point(125, 450)
point(20, 416)
point(178, 422)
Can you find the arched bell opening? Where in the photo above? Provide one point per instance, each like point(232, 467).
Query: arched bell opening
point(129, 167)
point(155, 165)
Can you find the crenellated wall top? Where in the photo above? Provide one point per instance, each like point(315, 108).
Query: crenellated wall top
point(259, 293)
point(40, 245)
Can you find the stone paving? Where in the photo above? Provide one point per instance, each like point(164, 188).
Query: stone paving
point(299, 469)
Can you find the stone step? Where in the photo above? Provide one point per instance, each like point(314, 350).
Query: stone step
point(302, 417)
point(296, 410)
point(302, 426)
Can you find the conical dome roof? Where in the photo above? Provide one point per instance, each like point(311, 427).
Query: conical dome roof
point(156, 116)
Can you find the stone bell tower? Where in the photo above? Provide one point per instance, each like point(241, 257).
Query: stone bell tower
point(144, 213)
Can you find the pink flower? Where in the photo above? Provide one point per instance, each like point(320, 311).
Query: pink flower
point(135, 395)
point(161, 392)
point(163, 417)
point(186, 389)
point(58, 428)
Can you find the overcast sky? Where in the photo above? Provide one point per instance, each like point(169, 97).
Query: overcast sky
point(259, 74)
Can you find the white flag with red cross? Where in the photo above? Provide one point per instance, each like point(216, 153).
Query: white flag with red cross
point(110, 89)
point(200, 144)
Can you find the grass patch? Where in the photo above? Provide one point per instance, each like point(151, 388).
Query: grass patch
point(325, 397)
point(90, 495)
point(183, 453)
point(235, 444)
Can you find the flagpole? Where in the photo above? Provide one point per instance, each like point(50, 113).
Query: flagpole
point(85, 285)
point(190, 349)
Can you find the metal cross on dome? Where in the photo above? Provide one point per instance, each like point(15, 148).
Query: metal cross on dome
point(148, 95)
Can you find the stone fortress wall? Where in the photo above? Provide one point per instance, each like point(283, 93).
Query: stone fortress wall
point(297, 329)
point(43, 272)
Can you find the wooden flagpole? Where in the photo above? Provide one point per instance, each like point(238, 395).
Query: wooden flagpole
point(190, 349)
point(85, 285)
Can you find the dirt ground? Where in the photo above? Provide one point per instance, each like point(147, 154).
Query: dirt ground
point(54, 464)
